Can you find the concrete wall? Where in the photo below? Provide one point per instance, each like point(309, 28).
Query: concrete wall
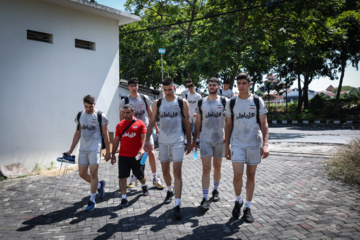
point(42, 84)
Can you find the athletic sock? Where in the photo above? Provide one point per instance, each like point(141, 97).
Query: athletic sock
point(144, 185)
point(177, 201)
point(206, 193)
point(155, 174)
point(239, 199)
point(123, 196)
point(170, 189)
point(99, 185)
point(247, 204)
point(92, 197)
point(216, 185)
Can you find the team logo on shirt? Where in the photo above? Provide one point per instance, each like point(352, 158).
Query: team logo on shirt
point(176, 107)
point(134, 126)
point(129, 135)
point(247, 116)
point(93, 120)
point(213, 114)
point(252, 106)
point(220, 106)
point(142, 103)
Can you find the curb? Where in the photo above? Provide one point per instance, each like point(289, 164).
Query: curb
point(312, 121)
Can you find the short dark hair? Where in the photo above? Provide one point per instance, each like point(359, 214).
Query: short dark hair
point(133, 81)
point(214, 79)
point(226, 82)
point(89, 99)
point(243, 76)
point(188, 80)
point(129, 106)
point(167, 81)
point(191, 85)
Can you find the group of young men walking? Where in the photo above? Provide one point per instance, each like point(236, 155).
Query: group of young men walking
point(235, 128)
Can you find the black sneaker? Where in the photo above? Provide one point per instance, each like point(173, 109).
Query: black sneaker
point(236, 210)
point(248, 218)
point(215, 195)
point(124, 203)
point(177, 213)
point(205, 204)
point(168, 198)
point(145, 190)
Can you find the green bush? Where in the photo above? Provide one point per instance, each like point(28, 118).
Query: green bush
point(345, 164)
point(317, 104)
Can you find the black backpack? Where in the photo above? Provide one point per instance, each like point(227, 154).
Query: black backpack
point(142, 96)
point(181, 104)
point(257, 104)
point(99, 116)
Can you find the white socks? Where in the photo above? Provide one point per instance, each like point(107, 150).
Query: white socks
point(92, 197)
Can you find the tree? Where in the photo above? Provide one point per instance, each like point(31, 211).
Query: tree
point(345, 45)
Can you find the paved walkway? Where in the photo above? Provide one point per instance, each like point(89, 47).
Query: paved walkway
point(294, 199)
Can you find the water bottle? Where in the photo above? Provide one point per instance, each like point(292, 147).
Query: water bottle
point(195, 153)
point(143, 159)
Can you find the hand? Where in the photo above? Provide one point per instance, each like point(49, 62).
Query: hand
point(224, 139)
point(142, 151)
point(227, 153)
point(107, 156)
point(157, 132)
point(194, 115)
point(113, 160)
point(264, 151)
point(146, 148)
point(188, 148)
point(194, 145)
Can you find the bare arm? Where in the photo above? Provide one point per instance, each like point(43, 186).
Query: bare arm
point(114, 148)
point(198, 123)
point(75, 141)
point(265, 133)
point(143, 137)
point(148, 109)
point(186, 114)
point(152, 122)
point(105, 131)
point(228, 131)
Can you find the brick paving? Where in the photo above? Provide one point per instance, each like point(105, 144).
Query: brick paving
point(294, 199)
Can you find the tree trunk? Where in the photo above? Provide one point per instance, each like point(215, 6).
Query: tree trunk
point(337, 100)
point(300, 101)
point(305, 92)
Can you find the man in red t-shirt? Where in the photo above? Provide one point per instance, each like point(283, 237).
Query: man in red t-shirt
point(132, 144)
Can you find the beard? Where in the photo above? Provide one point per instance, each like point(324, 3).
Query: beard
point(213, 91)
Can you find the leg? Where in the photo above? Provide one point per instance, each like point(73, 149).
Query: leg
point(83, 173)
point(152, 160)
point(250, 183)
point(206, 162)
point(166, 172)
point(217, 169)
point(178, 180)
point(238, 168)
point(94, 177)
point(122, 186)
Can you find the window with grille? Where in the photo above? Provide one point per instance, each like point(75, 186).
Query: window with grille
point(39, 36)
point(84, 44)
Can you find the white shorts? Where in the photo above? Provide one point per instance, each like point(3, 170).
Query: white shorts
point(250, 156)
point(89, 158)
point(150, 141)
point(212, 149)
point(174, 152)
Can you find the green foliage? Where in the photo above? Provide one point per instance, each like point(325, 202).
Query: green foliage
point(317, 104)
point(51, 165)
point(345, 164)
point(2, 179)
point(22, 176)
point(37, 167)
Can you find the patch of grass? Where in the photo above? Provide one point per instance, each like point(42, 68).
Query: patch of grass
point(37, 168)
point(22, 176)
point(51, 166)
point(345, 165)
point(2, 178)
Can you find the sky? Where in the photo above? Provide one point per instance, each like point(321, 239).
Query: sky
point(352, 77)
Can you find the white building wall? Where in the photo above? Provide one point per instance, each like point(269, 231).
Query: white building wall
point(42, 84)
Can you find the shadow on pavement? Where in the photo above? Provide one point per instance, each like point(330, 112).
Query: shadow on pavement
point(129, 224)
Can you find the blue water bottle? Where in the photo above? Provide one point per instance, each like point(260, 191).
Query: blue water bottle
point(195, 153)
point(143, 159)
